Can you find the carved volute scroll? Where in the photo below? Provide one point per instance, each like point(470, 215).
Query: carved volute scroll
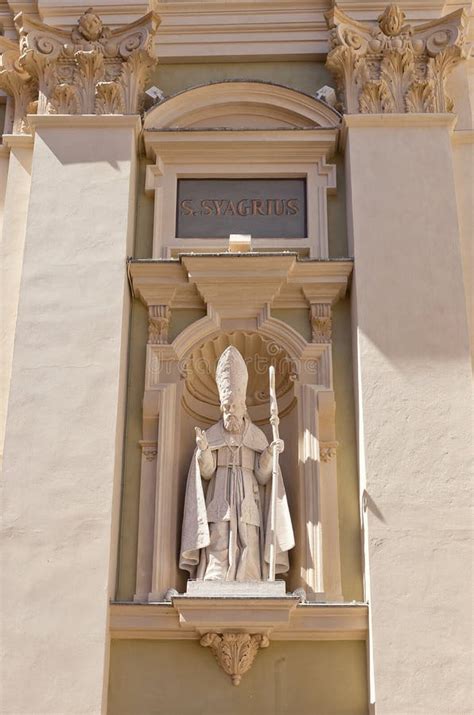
point(91, 70)
point(17, 83)
point(394, 67)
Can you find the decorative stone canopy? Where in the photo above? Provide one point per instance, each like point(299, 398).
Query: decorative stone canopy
point(91, 70)
point(393, 67)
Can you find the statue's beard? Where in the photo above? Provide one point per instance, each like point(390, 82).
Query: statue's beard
point(233, 423)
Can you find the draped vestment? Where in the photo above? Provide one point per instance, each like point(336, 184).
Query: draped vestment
point(226, 531)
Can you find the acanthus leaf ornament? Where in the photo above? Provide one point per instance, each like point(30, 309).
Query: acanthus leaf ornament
point(394, 67)
point(235, 652)
point(91, 70)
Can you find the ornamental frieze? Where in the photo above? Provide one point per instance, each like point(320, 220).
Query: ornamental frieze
point(91, 70)
point(394, 67)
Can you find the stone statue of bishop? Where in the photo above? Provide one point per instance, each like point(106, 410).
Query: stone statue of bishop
point(226, 532)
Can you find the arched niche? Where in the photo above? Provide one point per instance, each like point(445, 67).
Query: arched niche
point(241, 105)
point(240, 130)
point(200, 397)
point(199, 407)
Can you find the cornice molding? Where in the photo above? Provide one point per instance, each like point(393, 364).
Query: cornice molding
point(464, 136)
point(307, 622)
point(92, 121)
point(390, 121)
point(193, 275)
point(18, 141)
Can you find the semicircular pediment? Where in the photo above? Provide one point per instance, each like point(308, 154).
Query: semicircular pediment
point(241, 105)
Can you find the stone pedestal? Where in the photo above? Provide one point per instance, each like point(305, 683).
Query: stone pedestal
point(236, 589)
point(413, 384)
point(64, 430)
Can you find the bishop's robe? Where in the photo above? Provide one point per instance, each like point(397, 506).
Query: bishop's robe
point(226, 528)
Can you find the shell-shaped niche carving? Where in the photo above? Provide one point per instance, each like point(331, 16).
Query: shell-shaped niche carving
point(201, 398)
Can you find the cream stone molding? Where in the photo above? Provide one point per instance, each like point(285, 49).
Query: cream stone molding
point(216, 104)
point(84, 121)
point(176, 392)
point(17, 83)
point(387, 121)
point(90, 70)
point(234, 652)
point(306, 622)
point(18, 140)
point(240, 129)
point(394, 67)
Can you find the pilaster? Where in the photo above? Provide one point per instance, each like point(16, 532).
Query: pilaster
point(64, 430)
point(413, 385)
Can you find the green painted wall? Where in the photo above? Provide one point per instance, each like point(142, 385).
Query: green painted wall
point(305, 76)
point(180, 677)
point(287, 678)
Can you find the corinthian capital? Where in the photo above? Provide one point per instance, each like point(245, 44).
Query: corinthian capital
point(91, 70)
point(393, 66)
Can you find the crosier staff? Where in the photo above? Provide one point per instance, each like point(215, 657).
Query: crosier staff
point(274, 421)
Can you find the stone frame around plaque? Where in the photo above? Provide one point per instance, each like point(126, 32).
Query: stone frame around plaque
point(202, 133)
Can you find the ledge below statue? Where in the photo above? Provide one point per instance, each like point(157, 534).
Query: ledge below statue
point(236, 589)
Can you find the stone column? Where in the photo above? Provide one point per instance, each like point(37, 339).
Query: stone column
point(64, 430)
point(412, 367)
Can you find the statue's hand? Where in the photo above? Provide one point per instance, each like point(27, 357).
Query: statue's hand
point(278, 444)
point(201, 439)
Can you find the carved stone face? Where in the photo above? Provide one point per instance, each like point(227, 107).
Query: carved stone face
point(90, 26)
point(233, 415)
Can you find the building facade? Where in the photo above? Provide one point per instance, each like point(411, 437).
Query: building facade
point(293, 179)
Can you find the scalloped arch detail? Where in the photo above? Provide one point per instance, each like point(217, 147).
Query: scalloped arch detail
point(241, 105)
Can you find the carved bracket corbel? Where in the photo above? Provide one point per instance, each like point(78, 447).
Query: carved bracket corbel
point(149, 449)
point(235, 652)
point(321, 322)
point(158, 324)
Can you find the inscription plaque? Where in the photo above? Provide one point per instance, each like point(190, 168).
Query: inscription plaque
point(264, 208)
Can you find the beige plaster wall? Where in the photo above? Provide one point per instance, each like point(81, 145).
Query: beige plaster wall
point(64, 431)
point(14, 215)
point(182, 678)
point(414, 407)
